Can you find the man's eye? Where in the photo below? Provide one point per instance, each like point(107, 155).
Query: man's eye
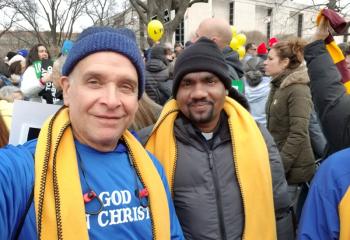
point(211, 81)
point(93, 82)
point(186, 83)
point(128, 88)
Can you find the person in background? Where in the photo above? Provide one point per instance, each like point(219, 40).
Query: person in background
point(224, 170)
point(262, 51)
point(23, 52)
point(326, 212)
point(158, 82)
point(56, 75)
point(33, 79)
point(345, 48)
point(5, 64)
point(17, 66)
point(147, 114)
point(178, 49)
point(219, 31)
point(56, 71)
point(257, 88)
point(4, 69)
point(8, 94)
point(250, 49)
point(272, 42)
point(88, 176)
point(288, 111)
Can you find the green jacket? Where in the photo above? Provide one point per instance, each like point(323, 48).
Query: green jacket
point(288, 110)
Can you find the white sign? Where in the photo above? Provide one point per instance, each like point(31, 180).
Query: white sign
point(27, 119)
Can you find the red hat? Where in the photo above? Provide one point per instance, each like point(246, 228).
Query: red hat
point(272, 41)
point(261, 50)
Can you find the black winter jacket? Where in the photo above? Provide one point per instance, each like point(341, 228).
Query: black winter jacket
point(158, 82)
point(208, 203)
point(235, 66)
point(329, 96)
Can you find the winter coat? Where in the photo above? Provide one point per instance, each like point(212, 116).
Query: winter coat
point(235, 66)
point(257, 97)
point(208, 203)
point(288, 111)
point(31, 85)
point(158, 82)
point(326, 213)
point(257, 87)
point(329, 96)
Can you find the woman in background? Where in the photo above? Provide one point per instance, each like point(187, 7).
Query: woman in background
point(288, 111)
point(33, 79)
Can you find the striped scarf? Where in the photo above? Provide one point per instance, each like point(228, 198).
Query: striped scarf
point(58, 198)
point(338, 24)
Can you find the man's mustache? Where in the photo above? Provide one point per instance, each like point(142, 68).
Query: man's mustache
point(200, 101)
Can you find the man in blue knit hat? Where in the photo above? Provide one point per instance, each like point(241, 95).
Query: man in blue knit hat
point(86, 176)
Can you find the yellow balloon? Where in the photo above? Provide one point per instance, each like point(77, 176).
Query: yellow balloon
point(234, 30)
point(155, 30)
point(241, 52)
point(241, 39)
point(234, 44)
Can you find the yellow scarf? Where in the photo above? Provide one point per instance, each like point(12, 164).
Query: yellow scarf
point(250, 160)
point(59, 205)
point(344, 216)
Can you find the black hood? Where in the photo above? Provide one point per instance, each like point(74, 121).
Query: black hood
point(232, 58)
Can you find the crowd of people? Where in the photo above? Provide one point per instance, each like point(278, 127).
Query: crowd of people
point(163, 146)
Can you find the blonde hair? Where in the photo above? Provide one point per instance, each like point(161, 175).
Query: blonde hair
point(4, 136)
point(293, 50)
point(56, 70)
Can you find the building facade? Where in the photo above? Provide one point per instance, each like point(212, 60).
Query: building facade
point(270, 17)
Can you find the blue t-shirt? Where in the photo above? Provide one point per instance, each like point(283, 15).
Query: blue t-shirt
point(110, 175)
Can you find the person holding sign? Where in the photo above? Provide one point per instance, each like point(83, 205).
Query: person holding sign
point(92, 178)
point(36, 84)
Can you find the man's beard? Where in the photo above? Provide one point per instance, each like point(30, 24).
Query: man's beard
point(204, 117)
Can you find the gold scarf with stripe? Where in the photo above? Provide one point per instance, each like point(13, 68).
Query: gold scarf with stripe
point(250, 160)
point(58, 199)
point(334, 51)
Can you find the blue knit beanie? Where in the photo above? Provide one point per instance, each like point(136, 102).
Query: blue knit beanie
point(98, 39)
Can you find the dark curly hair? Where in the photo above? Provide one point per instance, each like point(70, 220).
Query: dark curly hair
point(33, 54)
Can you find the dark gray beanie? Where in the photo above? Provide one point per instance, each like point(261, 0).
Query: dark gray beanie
point(203, 55)
point(98, 39)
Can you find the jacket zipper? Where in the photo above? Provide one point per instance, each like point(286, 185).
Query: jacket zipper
point(238, 176)
point(217, 196)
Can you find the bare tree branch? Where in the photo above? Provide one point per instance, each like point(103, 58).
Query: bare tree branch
point(141, 4)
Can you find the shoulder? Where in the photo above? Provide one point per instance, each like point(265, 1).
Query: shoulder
point(17, 166)
point(334, 172)
point(26, 149)
point(17, 156)
point(29, 70)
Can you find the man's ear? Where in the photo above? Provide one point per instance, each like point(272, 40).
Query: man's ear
point(65, 84)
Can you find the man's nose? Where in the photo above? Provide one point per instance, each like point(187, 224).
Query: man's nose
point(111, 97)
point(199, 91)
